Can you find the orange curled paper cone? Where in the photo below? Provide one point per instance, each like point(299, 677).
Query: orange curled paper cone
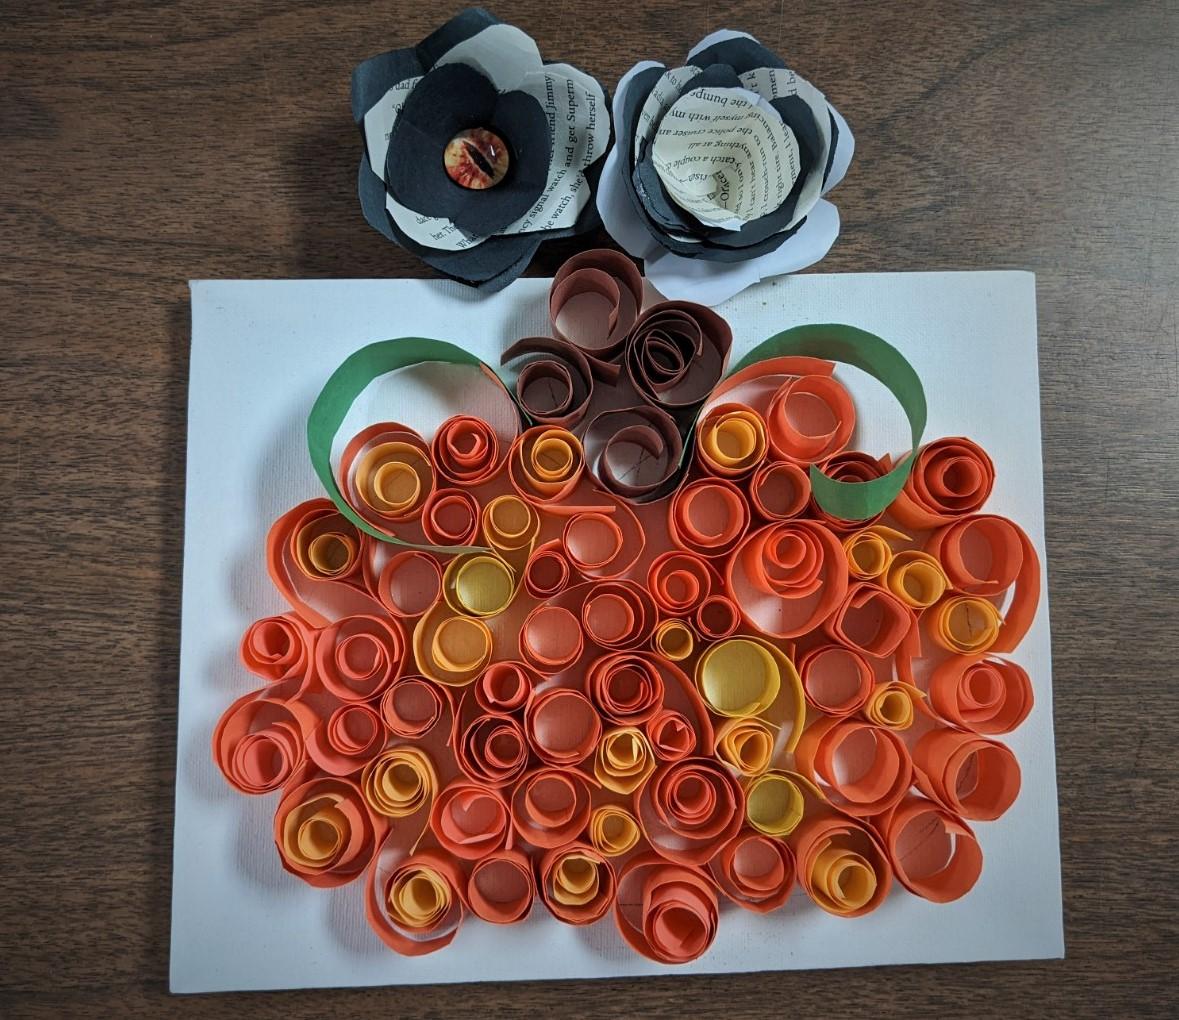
point(916, 578)
point(551, 807)
point(950, 478)
point(358, 657)
point(674, 640)
point(746, 745)
point(501, 887)
point(850, 466)
point(278, 648)
point(986, 555)
point(730, 440)
point(551, 639)
point(409, 583)
point(625, 687)
point(892, 705)
point(884, 774)
point(680, 581)
point(470, 821)
point(604, 545)
point(965, 624)
point(624, 759)
point(545, 464)
point(576, 883)
point(594, 301)
point(415, 903)
point(973, 777)
point(563, 727)
point(671, 734)
point(505, 687)
point(258, 743)
point(779, 490)
point(412, 706)
point(689, 809)
point(842, 865)
point(450, 517)
point(754, 871)
point(613, 830)
point(870, 620)
point(988, 696)
point(451, 648)
point(324, 832)
point(618, 614)
point(836, 680)
point(869, 552)
point(548, 571)
point(667, 912)
point(810, 418)
point(933, 852)
point(399, 782)
point(491, 749)
point(717, 617)
point(386, 475)
point(346, 740)
point(466, 450)
point(708, 516)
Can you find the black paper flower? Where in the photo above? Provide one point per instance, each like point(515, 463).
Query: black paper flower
point(475, 150)
point(717, 177)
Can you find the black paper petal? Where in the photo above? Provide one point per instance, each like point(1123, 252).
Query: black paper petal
point(377, 75)
point(740, 54)
point(834, 142)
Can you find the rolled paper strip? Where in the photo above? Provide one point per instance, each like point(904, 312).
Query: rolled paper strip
point(746, 745)
point(604, 545)
point(510, 527)
point(478, 584)
point(810, 419)
point(324, 832)
point(451, 649)
point(415, 906)
point(576, 883)
point(950, 478)
point(613, 830)
point(988, 696)
point(546, 463)
point(850, 501)
point(594, 301)
point(278, 648)
point(871, 620)
point(672, 736)
point(470, 821)
point(933, 852)
point(667, 912)
point(626, 687)
point(674, 640)
point(836, 680)
point(409, 583)
point(965, 624)
point(875, 758)
point(563, 728)
point(717, 617)
point(869, 552)
point(891, 705)
point(788, 578)
point(450, 517)
point(754, 871)
point(548, 571)
point(505, 687)
point(624, 759)
point(325, 545)
point(491, 749)
point(731, 440)
point(465, 450)
point(346, 740)
point(917, 579)
point(779, 490)
point(386, 470)
point(551, 807)
point(412, 706)
point(399, 782)
point(842, 865)
point(986, 555)
point(708, 516)
point(551, 639)
point(680, 581)
point(689, 809)
point(741, 677)
point(973, 777)
point(258, 743)
point(849, 468)
point(358, 657)
point(636, 451)
point(501, 888)
point(676, 354)
point(555, 385)
point(775, 803)
point(618, 615)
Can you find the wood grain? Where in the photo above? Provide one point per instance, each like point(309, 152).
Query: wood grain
point(144, 144)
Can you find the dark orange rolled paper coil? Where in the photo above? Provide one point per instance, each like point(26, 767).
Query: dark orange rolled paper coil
point(548, 571)
point(618, 615)
point(717, 617)
point(501, 888)
point(347, 740)
point(551, 807)
point(885, 776)
point(451, 517)
point(409, 583)
point(638, 450)
point(600, 325)
point(625, 687)
point(545, 465)
point(672, 736)
point(984, 695)
point(596, 545)
point(324, 543)
point(950, 478)
point(551, 639)
point(849, 466)
point(676, 354)
point(680, 581)
point(841, 864)
point(754, 871)
point(491, 749)
point(779, 490)
point(278, 648)
point(416, 906)
point(412, 706)
point(934, 853)
point(836, 680)
point(470, 821)
point(505, 687)
point(667, 912)
point(708, 516)
point(970, 775)
point(871, 620)
point(466, 450)
point(563, 726)
point(555, 385)
point(577, 883)
point(324, 832)
point(358, 657)
point(689, 809)
point(258, 743)
point(387, 473)
point(810, 419)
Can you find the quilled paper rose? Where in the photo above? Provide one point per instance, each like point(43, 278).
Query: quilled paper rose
point(475, 150)
point(717, 177)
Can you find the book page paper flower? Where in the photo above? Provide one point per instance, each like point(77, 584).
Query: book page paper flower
point(717, 178)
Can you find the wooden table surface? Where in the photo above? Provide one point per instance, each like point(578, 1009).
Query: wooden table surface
point(143, 144)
